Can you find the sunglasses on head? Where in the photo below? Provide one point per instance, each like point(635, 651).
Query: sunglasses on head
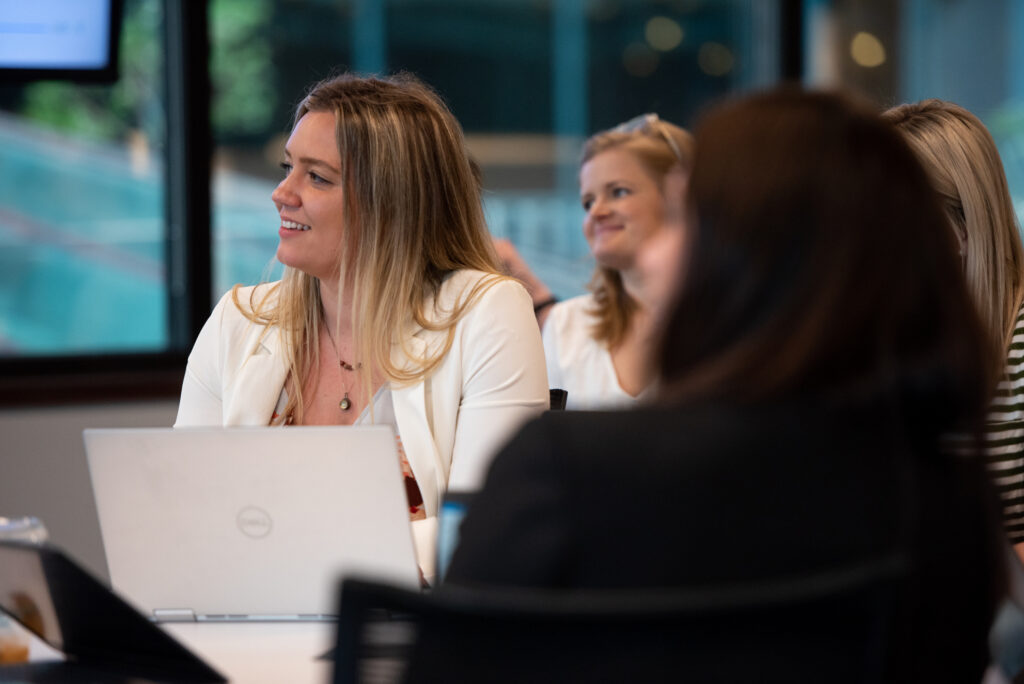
point(651, 124)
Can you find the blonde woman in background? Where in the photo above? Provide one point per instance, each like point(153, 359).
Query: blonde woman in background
point(391, 309)
point(598, 346)
point(964, 166)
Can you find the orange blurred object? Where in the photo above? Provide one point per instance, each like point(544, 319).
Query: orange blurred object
point(13, 649)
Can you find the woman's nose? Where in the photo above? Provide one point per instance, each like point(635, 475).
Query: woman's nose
point(598, 208)
point(284, 195)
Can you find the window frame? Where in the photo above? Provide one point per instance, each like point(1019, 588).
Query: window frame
point(68, 379)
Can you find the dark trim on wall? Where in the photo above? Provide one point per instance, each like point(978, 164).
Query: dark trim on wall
point(55, 381)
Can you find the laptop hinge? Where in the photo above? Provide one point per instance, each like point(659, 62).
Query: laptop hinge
point(174, 615)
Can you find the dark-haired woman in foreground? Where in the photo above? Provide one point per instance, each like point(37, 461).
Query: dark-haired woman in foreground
point(820, 342)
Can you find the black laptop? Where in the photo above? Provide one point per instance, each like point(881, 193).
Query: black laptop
point(103, 638)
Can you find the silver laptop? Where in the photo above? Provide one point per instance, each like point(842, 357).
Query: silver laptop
point(249, 523)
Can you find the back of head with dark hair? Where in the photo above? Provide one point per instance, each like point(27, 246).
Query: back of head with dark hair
point(821, 267)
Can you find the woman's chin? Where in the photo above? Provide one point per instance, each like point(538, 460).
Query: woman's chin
point(284, 257)
point(612, 259)
point(322, 269)
point(288, 258)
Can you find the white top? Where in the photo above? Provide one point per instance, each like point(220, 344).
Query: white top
point(577, 362)
point(451, 423)
point(261, 652)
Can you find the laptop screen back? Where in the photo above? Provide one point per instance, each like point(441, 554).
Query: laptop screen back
point(249, 523)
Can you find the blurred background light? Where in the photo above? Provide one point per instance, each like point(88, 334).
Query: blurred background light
point(715, 59)
point(663, 34)
point(867, 50)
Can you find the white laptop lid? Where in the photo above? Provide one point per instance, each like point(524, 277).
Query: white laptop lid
point(249, 523)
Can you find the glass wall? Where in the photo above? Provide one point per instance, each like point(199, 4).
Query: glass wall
point(967, 51)
point(83, 200)
point(528, 81)
point(83, 215)
point(82, 207)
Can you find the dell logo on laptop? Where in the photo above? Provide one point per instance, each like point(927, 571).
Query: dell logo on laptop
point(254, 522)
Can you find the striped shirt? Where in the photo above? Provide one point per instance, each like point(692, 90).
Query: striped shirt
point(1004, 436)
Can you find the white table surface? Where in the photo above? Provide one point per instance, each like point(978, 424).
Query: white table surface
point(244, 652)
point(258, 652)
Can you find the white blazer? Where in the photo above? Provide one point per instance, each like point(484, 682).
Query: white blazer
point(451, 423)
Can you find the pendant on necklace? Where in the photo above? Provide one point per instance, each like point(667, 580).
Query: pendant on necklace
point(345, 404)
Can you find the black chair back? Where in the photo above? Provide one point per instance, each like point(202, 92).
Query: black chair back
point(835, 626)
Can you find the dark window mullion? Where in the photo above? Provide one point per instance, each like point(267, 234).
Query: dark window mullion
point(189, 146)
point(791, 40)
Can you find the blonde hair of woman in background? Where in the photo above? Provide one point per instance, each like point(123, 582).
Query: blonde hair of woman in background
point(962, 161)
point(964, 165)
point(661, 147)
point(391, 309)
point(597, 346)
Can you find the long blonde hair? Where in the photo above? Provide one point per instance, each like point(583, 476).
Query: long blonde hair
point(413, 216)
point(660, 146)
point(963, 163)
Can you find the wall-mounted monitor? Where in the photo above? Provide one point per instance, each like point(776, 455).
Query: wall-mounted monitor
point(69, 40)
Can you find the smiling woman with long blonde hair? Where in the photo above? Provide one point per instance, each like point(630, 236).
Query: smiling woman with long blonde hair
point(391, 309)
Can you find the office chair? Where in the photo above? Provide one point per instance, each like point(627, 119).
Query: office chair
point(834, 626)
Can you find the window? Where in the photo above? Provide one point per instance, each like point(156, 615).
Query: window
point(82, 207)
point(103, 232)
point(119, 225)
point(528, 81)
point(971, 53)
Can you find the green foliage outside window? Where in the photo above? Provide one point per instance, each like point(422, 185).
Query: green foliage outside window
point(241, 68)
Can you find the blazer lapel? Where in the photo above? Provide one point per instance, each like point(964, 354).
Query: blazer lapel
point(413, 415)
point(257, 385)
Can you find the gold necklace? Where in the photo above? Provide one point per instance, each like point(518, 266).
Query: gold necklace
point(345, 404)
